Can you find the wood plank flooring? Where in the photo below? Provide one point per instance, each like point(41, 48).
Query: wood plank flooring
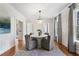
point(65, 50)
point(10, 52)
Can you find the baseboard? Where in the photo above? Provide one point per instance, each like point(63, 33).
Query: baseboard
point(9, 52)
point(65, 50)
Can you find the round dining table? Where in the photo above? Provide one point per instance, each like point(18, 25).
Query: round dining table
point(39, 38)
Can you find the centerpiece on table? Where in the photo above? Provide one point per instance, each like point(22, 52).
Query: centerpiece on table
point(39, 32)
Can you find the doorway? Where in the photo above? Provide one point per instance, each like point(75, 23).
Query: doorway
point(19, 34)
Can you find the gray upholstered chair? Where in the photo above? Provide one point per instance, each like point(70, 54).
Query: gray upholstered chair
point(31, 43)
point(45, 43)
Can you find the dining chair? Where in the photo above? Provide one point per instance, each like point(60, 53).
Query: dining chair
point(45, 43)
point(31, 43)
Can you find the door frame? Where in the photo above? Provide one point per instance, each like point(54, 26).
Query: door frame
point(17, 39)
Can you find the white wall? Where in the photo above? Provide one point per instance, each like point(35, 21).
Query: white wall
point(65, 15)
point(8, 40)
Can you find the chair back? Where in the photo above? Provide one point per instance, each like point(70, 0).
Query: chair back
point(27, 36)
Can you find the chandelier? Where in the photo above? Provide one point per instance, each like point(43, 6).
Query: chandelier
point(39, 18)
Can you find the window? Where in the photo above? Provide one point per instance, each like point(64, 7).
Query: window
point(76, 24)
point(46, 27)
point(29, 28)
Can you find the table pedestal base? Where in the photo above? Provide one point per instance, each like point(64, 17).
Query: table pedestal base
point(39, 43)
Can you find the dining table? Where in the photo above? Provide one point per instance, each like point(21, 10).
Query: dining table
point(39, 38)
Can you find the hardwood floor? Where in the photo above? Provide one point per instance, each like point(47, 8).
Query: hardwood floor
point(20, 44)
point(10, 52)
point(65, 50)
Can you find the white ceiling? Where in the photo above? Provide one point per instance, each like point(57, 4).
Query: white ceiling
point(30, 10)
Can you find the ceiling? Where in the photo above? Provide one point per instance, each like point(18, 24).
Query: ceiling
point(30, 10)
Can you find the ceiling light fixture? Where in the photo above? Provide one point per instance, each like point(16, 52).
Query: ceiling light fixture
point(39, 18)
